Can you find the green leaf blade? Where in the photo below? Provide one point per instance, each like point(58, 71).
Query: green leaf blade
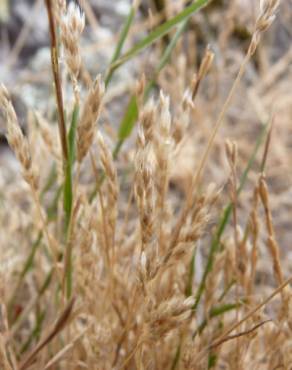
point(160, 31)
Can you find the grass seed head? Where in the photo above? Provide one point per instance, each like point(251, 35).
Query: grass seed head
point(16, 139)
point(72, 23)
point(89, 116)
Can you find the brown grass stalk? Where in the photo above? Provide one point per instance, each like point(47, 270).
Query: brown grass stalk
point(57, 80)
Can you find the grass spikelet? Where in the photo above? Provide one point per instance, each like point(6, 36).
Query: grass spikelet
point(17, 141)
point(268, 9)
point(163, 146)
point(109, 169)
point(47, 135)
point(144, 192)
point(171, 314)
point(205, 67)
point(147, 121)
point(20, 146)
point(271, 241)
point(89, 116)
point(72, 22)
point(145, 168)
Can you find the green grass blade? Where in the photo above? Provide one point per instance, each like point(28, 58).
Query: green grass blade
point(123, 36)
point(176, 357)
point(68, 193)
point(215, 312)
point(226, 290)
point(69, 276)
point(27, 266)
point(51, 180)
point(29, 262)
point(52, 209)
point(72, 134)
point(128, 120)
point(167, 53)
point(46, 283)
point(160, 31)
point(212, 360)
point(132, 112)
point(35, 332)
point(226, 216)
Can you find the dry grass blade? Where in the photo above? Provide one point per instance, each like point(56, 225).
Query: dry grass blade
point(57, 328)
point(64, 351)
point(4, 363)
point(235, 336)
point(4, 356)
point(246, 317)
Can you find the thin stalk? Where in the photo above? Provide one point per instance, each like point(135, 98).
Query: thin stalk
point(68, 144)
point(68, 199)
point(68, 184)
point(57, 80)
point(120, 43)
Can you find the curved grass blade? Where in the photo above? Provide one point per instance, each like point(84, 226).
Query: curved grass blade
point(216, 311)
point(160, 31)
point(123, 36)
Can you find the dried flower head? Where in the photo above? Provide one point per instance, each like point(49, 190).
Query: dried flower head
point(16, 139)
point(109, 169)
point(72, 23)
point(167, 316)
point(144, 192)
point(203, 71)
point(268, 9)
point(90, 114)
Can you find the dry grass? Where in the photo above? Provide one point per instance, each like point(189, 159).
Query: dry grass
point(140, 272)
